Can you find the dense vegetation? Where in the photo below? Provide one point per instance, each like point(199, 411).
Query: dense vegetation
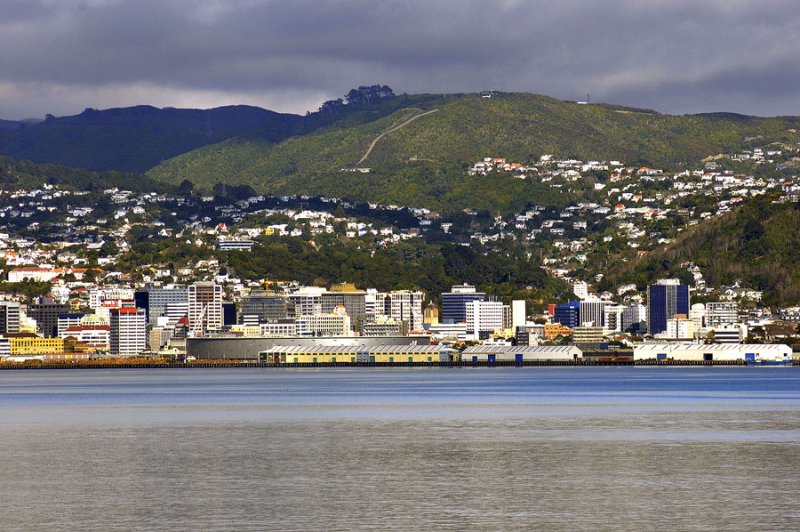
point(137, 138)
point(413, 265)
point(26, 174)
point(757, 244)
point(425, 162)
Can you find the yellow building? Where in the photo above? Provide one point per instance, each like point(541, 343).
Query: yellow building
point(587, 335)
point(35, 345)
point(248, 331)
point(554, 330)
point(430, 315)
point(397, 354)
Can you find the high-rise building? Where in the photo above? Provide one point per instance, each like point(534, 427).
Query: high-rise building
point(154, 300)
point(405, 306)
point(665, 299)
point(348, 296)
point(306, 301)
point(634, 318)
point(263, 308)
point(454, 303)
point(613, 317)
point(205, 307)
point(518, 313)
point(484, 317)
point(723, 313)
point(568, 314)
point(591, 313)
point(128, 331)
point(9, 317)
point(45, 311)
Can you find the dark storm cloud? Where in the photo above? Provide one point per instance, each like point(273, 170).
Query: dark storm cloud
point(677, 56)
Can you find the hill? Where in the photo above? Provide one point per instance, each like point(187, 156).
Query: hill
point(135, 139)
point(757, 244)
point(27, 174)
point(424, 162)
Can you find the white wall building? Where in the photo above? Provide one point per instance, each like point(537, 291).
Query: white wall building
point(205, 307)
point(484, 317)
point(695, 352)
point(128, 331)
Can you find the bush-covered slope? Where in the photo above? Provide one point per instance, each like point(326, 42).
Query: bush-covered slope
point(424, 162)
point(14, 174)
point(757, 244)
point(135, 139)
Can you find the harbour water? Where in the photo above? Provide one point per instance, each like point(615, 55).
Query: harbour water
point(625, 448)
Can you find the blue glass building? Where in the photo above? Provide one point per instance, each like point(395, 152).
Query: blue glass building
point(665, 299)
point(568, 314)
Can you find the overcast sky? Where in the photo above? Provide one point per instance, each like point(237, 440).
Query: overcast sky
point(676, 56)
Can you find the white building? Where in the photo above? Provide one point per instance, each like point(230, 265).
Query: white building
point(128, 331)
point(680, 329)
point(694, 352)
point(581, 290)
point(518, 313)
point(205, 307)
point(591, 312)
point(483, 353)
point(406, 305)
point(484, 317)
point(722, 313)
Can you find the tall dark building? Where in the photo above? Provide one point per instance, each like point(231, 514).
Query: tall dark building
point(454, 303)
point(267, 309)
point(568, 314)
point(9, 317)
point(665, 299)
point(228, 314)
point(45, 311)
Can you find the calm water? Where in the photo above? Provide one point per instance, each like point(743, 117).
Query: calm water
point(421, 449)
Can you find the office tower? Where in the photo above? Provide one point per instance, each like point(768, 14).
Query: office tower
point(405, 306)
point(46, 311)
point(665, 299)
point(454, 303)
point(484, 317)
point(591, 313)
point(720, 314)
point(205, 307)
point(634, 318)
point(567, 314)
point(9, 317)
point(128, 331)
point(518, 313)
point(154, 300)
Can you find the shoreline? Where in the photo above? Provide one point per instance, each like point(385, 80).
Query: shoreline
point(227, 364)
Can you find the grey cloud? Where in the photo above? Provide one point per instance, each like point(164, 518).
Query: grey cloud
point(675, 56)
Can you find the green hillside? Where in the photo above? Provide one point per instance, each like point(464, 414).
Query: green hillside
point(27, 174)
point(757, 244)
point(135, 139)
point(425, 162)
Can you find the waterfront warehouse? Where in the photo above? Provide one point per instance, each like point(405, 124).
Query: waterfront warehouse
point(504, 353)
point(355, 353)
point(248, 348)
point(693, 352)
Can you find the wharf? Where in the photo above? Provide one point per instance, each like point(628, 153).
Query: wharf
point(466, 364)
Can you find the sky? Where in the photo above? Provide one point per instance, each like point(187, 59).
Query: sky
point(674, 56)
